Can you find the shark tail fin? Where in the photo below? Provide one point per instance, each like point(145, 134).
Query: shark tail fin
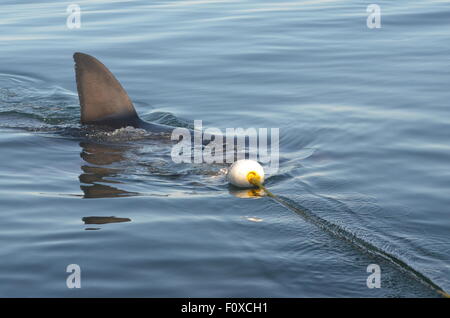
point(102, 99)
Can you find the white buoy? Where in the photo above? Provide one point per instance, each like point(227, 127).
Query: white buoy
point(238, 174)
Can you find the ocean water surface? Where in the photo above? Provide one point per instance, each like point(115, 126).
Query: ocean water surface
point(364, 121)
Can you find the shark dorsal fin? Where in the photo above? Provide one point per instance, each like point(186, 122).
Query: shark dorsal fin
point(102, 98)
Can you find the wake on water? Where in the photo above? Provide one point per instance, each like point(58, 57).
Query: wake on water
point(27, 104)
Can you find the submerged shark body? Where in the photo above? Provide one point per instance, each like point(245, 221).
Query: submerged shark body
point(103, 100)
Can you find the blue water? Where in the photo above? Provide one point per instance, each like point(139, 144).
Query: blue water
point(364, 124)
